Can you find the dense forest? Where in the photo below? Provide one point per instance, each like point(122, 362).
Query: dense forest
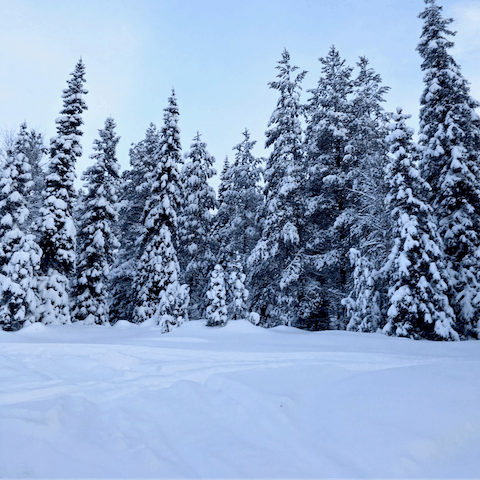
point(348, 224)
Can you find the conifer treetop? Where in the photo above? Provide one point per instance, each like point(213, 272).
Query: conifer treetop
point(243, 150)
point(335, 83)
point(170, 131)
point(73, 102)
point(65, 147)
point(105, 148)
point(434, 37)
point(164, 201)
point(288, 108)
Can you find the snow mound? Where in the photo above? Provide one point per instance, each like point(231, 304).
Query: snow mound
point(32, 328)
point(123, 324)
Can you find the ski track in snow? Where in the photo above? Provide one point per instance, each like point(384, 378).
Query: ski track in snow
point(127, 402)
point(127, 373)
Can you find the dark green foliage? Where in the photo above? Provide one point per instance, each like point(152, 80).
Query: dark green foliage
point(195, 222)
point(450, 140)
point(275, 261)
point(96, 241)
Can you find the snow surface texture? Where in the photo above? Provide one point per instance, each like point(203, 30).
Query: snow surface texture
point(239, 401)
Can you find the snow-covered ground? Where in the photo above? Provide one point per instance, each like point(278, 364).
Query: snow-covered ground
point(240, 401)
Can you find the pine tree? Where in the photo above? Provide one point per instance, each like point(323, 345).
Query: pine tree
point(133, 195)
point(159, 292)
point(345, 190)
point(417, 293)
point(450, 139)
point(224, 180)
point(223, 214)
point(274, 262)
point(144, 161)
point(237, 306)
point(236, 228)
point(217, 310)
point(34, 150)
point(195, 224)
point(364, 303)
point(328, 155)
point(366, 219)
point(368, 157)
point(57, 228)
point(19, 253)
point(96, 239)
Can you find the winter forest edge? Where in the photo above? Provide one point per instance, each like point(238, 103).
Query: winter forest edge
point(348, 224)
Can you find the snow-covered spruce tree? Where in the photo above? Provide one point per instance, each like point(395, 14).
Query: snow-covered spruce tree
point(327, 138)
point(364, 303)
point(345, 155)
point(19, 253)
point(159, 292)
point(367, 221)
point(275, 261)
point(450, 140)
point(224, 181)
point(222, 216)
point(96, 241)
point(34, 150)
point(133, 194)
point(217, 309)
point(196, 251)
point(237, 308)
point(236, 228)
point(144, 161)
point(57, 227)
point(417, 290)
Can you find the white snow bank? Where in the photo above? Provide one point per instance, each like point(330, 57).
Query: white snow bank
point(239, 401)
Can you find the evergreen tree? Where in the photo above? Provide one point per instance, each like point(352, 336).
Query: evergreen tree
point(345, 156)
point(224, 179)
point(236, 228)
point(223, 214)
point(237, 306)
point(450, 139)
point(96, 239)
point(159, 292)
point(34, 150)
point(274, 262)
point(328, 159)
point(144, 161)
point(368, 157)
point(417, 293)
point(217, 310)
point(57, 228)
point(133, 195)
point(195, 224)
point(19, 253)
point(367, 221)
point(364, 303)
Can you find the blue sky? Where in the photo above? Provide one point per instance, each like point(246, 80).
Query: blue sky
point(219, 56)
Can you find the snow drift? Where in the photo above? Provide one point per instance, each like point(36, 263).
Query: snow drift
point(239, 401)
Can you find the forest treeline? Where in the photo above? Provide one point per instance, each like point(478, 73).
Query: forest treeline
point(348, 224)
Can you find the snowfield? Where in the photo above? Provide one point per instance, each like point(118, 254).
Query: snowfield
point(240, 401)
